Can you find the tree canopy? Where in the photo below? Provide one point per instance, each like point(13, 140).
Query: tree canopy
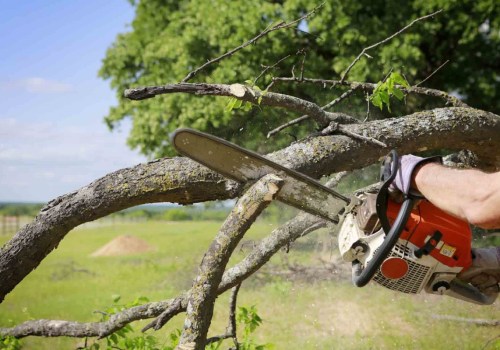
point(168, 39)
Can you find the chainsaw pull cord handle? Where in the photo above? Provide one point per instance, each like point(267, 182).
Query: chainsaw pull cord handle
point(390, 165)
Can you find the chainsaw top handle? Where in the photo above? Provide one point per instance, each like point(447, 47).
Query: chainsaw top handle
point(389, 169)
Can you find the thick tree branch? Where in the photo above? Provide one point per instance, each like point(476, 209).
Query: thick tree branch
point(298, 227)
point(201, 297)
point(158, 181)
point(240, 92)
point(183, 181)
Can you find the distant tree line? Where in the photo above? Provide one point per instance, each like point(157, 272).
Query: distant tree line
point(20, 209)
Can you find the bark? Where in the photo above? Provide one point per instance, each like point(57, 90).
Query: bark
point(203, 293)
point(180, 180)
point(57, 328)
point(176, 180)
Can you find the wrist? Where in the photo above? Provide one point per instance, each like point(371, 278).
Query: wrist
point(421, 174)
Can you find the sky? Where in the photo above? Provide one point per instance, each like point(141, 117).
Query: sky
point(52, 136)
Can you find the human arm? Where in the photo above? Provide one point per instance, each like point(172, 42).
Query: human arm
point(469, 194)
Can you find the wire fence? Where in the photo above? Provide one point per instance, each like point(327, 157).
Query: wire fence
point(11, 224)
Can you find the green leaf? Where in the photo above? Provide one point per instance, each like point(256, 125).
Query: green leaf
point(389, 83)
point(238, 104)
point(399, 79)
point(116, 298)
point(398, 94)
point(247, 106)
point(377, 101)
point(231, 103)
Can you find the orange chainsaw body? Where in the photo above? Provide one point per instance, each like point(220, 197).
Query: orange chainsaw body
point(454, 247)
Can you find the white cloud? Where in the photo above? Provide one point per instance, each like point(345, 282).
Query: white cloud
point(42, 160)
point(36, 85)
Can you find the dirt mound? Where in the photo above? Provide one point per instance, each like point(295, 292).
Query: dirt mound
point(123, 245)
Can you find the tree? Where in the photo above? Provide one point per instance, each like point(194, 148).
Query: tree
point(170, 38)
point(343, 143)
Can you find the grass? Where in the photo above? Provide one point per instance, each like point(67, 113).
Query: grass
point(69, 284)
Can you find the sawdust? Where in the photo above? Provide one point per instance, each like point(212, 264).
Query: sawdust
point(123, 245)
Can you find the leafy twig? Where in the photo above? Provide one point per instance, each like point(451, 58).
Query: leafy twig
point(452, 100)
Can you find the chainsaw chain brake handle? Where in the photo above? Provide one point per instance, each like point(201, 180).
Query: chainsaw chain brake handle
point(390, 165)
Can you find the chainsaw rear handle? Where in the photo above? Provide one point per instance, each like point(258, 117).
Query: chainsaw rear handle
point(389, 169)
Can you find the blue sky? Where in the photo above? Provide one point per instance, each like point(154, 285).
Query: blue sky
point(52, 136)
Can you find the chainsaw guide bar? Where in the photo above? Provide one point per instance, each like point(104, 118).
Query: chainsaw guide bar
point(242, 165)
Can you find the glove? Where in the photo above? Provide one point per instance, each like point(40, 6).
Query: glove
point(484, 273)
point(407, 165)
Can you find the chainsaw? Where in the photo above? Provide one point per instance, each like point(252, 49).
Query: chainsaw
point(407, 247)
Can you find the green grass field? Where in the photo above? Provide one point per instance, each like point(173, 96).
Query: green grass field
point(324, 314)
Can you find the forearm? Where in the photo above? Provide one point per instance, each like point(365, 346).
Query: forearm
point(468, 194)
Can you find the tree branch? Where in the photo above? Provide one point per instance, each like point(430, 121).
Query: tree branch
point(281, 25)
point(434, 72)
point(363, 52)
point(201, 297)
point(369, 87)
point(183, 181)
point(58, 328)
point(262, 252)
point(231, 326)
point(240, 92)
point(286, 125)
point(341, 119)
point(335, 127)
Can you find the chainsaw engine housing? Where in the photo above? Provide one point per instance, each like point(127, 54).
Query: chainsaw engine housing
point(431, 250)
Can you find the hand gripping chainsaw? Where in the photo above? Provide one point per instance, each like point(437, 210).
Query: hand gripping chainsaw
point(407, 247)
